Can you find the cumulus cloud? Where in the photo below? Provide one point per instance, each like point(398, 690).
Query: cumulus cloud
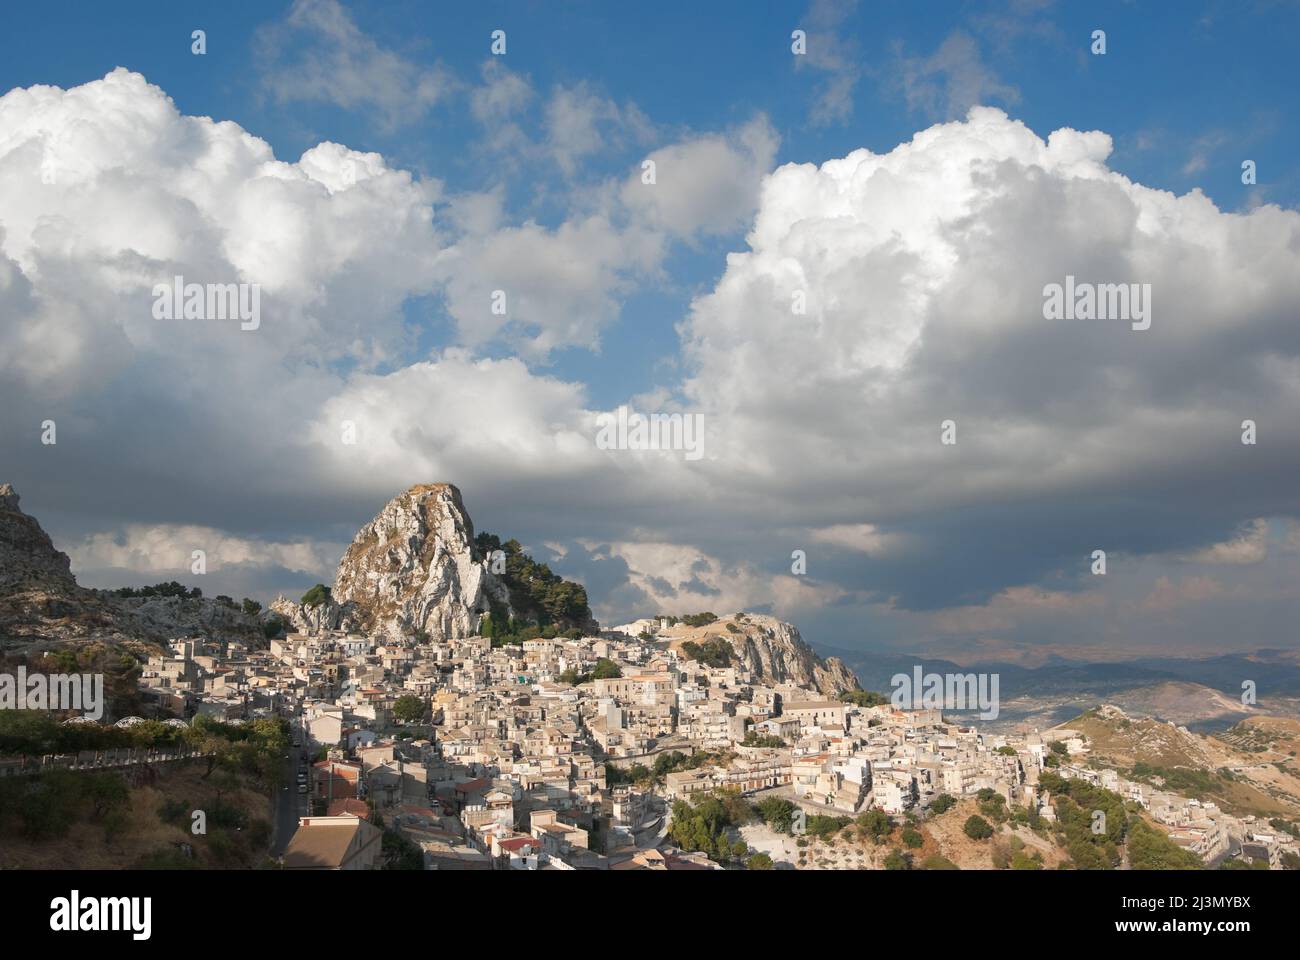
point(923, 273)
point(704, 184)
point(540, 288)
point(918, 274)
point(677, 579)
point(563, 285)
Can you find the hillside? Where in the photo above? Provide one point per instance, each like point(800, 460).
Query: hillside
point(1225, 768)
point(770, 648)
point(42, 607)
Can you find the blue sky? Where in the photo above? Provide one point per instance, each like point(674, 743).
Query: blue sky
point(924, 231)
point(1187, 91)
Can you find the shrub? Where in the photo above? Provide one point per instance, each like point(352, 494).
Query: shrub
point(942, 803)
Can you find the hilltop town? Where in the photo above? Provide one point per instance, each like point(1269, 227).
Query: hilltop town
point(450, 704)
point(580, 752)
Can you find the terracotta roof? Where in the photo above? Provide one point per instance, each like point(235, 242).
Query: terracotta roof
point(516, 844)
point(349, 806)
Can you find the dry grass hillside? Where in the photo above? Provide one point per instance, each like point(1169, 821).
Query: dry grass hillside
point(1249, 769)
point(137, 835)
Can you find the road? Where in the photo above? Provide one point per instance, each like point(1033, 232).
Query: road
point(288, 804)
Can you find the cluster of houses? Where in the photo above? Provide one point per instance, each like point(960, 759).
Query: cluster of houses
point(510, 765)
point(1196, 825)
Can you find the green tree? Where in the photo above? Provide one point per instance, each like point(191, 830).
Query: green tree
point(977, 828)
point(409, 708)
point(876, 824)
point(942, 803)
point(316, 595)
point(777, 813)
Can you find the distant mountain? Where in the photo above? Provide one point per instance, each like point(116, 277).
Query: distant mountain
point(1274, 673)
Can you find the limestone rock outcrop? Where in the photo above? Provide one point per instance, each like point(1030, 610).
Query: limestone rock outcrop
point(410, 570)
point(773, 652)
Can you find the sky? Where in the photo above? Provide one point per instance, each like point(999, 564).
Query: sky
point(463, 264)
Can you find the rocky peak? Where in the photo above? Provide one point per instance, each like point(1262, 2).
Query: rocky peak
point(8, 497)
point(411, 569)
point(27, 554)
point(42, 605)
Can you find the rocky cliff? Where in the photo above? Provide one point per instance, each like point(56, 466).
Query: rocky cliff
point(42, 605)
point(411, 569)
point(772, 650)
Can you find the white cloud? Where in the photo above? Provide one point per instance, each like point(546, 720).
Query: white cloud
point(140, 193)
point(923, 270)
point(678, 579)
point(580, 123)
point(502, 94)
point(1250, 546)
point(704, 184)
point(342, 65)
point(861, 537)
point(165, 548)
point(953, 79)
point(833, 53)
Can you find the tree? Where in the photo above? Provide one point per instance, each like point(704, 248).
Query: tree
point(713, 652)
point(409, 708)
point(876, 824)
point(1149, 849)
point(106, 792)
point(777, 813)
point(759, 861)
point(251, 607)
point(699, 619)
point(913, 839)
point(316, 595)
point(977, 828)
point(942, 803)
point(606, 670)
point(863, 698)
